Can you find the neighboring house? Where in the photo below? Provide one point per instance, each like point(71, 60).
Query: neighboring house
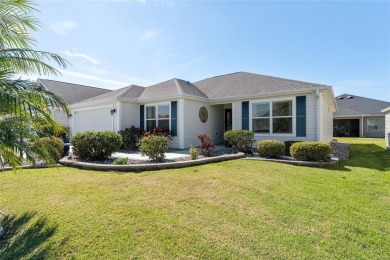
point(274, 108)
point(387, 126)
point(71, 93)
point(359, 117)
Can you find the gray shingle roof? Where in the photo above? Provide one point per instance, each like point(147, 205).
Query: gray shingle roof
point(245, 84)
point(239, 84)
point(72, 93)
point(129, 92)
point(359, 105)
point(171, 88)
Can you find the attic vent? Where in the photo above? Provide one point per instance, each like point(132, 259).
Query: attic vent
point(349, 97)
point(340, 98)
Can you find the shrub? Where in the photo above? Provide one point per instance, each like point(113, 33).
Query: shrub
point(154, 146)
point(193, 153)
point(310, 151)
point(120, 161)
point(55, 146)
point(131, 137)
point(96, 145)
point(270, 148)
point(288, 146)
point(206, 144)
point(241, 139)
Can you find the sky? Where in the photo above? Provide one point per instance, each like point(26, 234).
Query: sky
point(112, 44)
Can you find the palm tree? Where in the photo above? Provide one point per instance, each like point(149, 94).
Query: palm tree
point(25, 106)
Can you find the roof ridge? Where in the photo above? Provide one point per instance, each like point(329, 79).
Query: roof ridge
point(126, 89)
point(220, 76)
point(178, 86)
point(74, 84)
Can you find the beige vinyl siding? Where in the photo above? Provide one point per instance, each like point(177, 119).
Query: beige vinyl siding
point(387, 129)
point(381, 127)
point(194, 127)
point(326, 119)
point(60, 117)
point(129, 113)
point(311, 119)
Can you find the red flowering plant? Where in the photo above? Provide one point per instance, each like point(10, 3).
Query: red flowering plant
point(160, 132)
point(206, 144)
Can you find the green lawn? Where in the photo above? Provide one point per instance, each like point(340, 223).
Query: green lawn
point(235, 209)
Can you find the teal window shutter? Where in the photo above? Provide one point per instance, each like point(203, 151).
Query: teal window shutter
point(245, 115)
point(142, 116)
point(174, 118)
point(301, 116)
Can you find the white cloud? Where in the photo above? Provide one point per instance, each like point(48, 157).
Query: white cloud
point(150, 34)
point(63, 28)
point(96, 70)
point(84, 56)
point(91, 77)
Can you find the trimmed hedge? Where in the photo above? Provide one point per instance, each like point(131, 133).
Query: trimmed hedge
point(240, 139)
point(270, 148)
point(310, 151)
point(55, 146)
point(96, 145)
point(154, 146)
point(288, 146)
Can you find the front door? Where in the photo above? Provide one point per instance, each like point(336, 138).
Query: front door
point(228, 119)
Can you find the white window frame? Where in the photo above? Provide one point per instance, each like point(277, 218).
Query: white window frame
point(156, 119)
point(377, 124)
point(294, 116)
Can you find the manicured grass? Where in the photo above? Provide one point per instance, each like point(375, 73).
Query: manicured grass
point(235, 209)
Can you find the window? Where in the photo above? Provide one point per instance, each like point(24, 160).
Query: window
point(372, 125)
point(157, 116)
point(272, 117)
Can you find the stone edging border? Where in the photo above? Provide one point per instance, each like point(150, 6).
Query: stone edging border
point(333, 161)
point(148, 167)
point(39, 166)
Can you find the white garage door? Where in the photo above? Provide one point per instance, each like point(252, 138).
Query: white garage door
point(99, 119)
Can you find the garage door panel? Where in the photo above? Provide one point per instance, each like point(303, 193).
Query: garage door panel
point(93, 120)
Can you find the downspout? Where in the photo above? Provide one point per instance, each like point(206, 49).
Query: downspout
point(362, 127)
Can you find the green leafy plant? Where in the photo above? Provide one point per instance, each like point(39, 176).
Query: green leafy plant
point(25, 102)
point(310, 151)
point(96, 145)
point(154, 146)
point(206, 144)
point(270, 148)
point(240, 139)
point(193, 153)
point(131, 137)
point(120, 161)
point(288, 145)
point(55, 146)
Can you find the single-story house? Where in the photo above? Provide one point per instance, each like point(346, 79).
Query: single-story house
point(274, 108)
point(386, 111)
point(359, 117)
point(71, 93)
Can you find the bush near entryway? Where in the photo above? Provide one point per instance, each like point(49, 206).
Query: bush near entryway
point(270, 148)
point(131, 137)
point(154, 146)
point(240, 139)
point(310, 151)
point(96, 145)
point(288, 145)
